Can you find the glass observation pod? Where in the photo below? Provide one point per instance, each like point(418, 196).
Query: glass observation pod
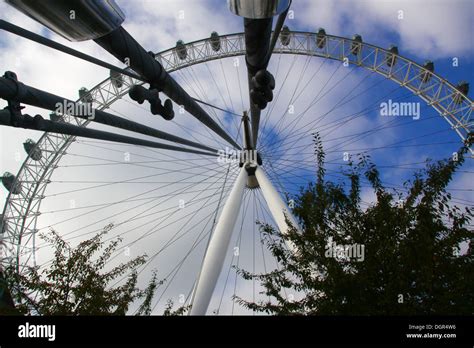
point(215, 41)
point(85, 95)
point(181, 50)
point(32, 150)
point(285, 36)
point(10, 183)
point(426, 76)
point(356, 44)
point(321, 38)
point(116, 78)
point(391, 57)
point(463, 87)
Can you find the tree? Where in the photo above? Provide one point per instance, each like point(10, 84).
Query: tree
point(76, 282)
point(411, 263)
point(7, 306)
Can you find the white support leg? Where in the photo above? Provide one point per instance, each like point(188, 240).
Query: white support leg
point(277, 206)
point(217, 248)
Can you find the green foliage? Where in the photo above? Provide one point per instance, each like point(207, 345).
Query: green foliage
point(409, 267)
point(76, 282)
point(182, 310)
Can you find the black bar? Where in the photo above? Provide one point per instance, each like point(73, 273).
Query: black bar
point(276, 32)
point(259, 45)
point(247, 133)
point(287, 331)
point(257, 39)
point(38, 123)
point(215, 107)
point(13, 90)
point(123, 46)
point(255, 120)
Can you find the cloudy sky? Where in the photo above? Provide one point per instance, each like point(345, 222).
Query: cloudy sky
point(165, 204)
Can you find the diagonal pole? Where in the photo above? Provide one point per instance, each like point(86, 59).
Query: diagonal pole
point(217, 248)
point(40, 124)
point(277, 206)
point(11, 89)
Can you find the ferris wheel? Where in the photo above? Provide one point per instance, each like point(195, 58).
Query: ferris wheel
point(184, 180)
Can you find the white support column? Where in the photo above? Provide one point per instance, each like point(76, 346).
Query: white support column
point(277, 206)
point(217, 248)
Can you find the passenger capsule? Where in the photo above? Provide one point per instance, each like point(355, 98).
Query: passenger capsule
point(426, 75)
point(391, 57)
point(181, 50)
point(285, 36)
point(356, 44)
point(462, 87)
point(85, 95)
point(215, 41)
point(32, 150)
point(10, 183)
point(321, 38)
point(116, 78)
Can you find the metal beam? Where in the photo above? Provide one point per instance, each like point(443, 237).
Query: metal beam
point(218, 247)
point(40, 124)
point(255, 119)
point(247, 133)
point(17, 91)
point(276, 32)
point(125, 48)
point(257, 39)
point(277, 206)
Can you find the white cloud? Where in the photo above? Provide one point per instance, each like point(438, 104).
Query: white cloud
point(430, 29)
